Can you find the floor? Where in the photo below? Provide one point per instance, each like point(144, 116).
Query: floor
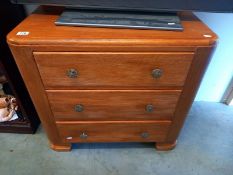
point(205, 147)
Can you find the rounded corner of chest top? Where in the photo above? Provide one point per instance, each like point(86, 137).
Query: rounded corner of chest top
point(17, 38)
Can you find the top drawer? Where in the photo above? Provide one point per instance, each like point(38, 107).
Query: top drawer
point(78, 70)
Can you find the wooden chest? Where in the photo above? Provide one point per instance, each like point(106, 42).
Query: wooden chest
point(111, 85)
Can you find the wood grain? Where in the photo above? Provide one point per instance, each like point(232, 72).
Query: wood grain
point(196, 73)
point(113, 104)
point(122, 131)
point(98, 70)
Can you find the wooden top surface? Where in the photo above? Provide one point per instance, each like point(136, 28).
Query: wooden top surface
point(43, 31)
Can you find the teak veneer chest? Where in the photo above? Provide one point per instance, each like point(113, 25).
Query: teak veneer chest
point(111, 85)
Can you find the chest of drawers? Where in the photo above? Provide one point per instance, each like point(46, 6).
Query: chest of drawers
point(111, 85)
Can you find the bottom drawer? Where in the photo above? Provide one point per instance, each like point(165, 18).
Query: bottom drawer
point(140, 131)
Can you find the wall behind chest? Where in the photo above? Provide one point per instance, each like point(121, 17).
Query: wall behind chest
point(220, 70)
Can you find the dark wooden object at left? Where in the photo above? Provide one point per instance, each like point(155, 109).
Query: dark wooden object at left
point(10, 16)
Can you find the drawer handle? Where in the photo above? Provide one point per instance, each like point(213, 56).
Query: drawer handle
point(145, 135)
point(157, 73)
point(149, 108)
point(79, 108)
point(83, 136)
point(72, 73)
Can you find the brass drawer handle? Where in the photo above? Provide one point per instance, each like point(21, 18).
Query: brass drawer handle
point(79, 108)
point(83, 136)
point(157, 73)
point(145, 135)
point(72, 73)
point(149, 108)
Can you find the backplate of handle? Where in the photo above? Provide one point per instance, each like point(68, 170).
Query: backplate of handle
point(149, 108)
point(157, 73)
point(79, 108)
point(83, 136)
point(145, 135)
point(72, 73)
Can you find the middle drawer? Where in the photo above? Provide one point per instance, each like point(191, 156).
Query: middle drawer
point(84, 105)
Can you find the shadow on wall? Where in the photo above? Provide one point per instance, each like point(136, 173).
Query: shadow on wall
point(30, 8)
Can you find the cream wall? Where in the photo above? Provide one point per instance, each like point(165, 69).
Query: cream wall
point(220, 70)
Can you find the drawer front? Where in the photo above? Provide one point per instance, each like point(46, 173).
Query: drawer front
point(73, 70)
point(84, 105)
point(113, 131)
